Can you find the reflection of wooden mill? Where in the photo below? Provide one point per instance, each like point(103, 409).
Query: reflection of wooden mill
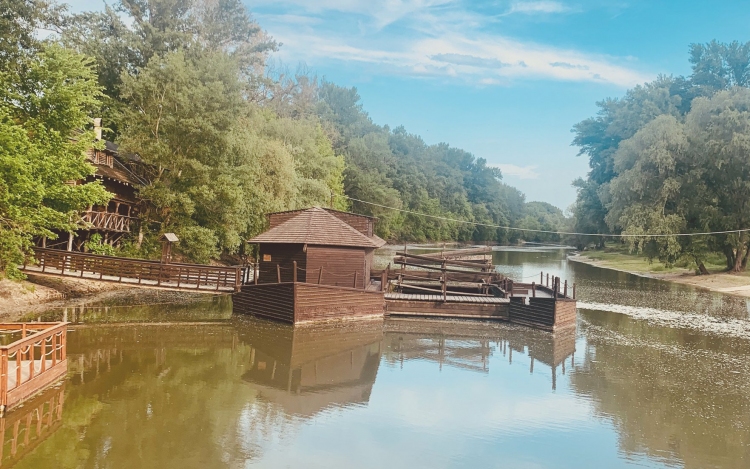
point(468, 345)
point(307, 369)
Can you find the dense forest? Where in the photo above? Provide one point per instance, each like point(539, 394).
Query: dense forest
point(184, 84)
point(673, 156)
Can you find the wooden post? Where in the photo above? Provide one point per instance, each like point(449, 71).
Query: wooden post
point(574, 291)
point(547, 280)
point(445, 284)
point(294, 275)
point(356, 277)
point(565, 291)
point(541, 278)
point(256, 271)
point(533, 289)
point(383, 280)
point(278, 273)
point(320, 276)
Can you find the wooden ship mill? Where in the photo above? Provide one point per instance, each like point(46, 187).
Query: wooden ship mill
point(316, 264)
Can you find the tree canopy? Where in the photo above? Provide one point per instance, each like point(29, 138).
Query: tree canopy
point(672, 156)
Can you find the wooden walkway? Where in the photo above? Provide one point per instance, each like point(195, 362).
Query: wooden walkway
point(136, 272)
point(487, 300)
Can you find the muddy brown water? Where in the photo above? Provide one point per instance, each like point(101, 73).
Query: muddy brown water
point(656, 375)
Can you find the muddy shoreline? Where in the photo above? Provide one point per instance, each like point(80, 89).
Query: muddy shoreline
point(38, 294)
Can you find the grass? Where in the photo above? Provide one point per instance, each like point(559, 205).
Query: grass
point(618, 256)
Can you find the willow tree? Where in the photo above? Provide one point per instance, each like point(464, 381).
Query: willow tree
point(719, 130)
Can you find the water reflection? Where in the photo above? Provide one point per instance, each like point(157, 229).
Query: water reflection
point(672, 394)
point(469, 345)
point(305, 370)
point(28, 426)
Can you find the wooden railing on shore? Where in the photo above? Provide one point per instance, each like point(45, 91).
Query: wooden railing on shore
point(107, 221)
point(135, 271)
point(33, 361)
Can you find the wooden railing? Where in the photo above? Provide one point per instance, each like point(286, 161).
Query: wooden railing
point(107, 221)
point(135, 271)
point(30, 363)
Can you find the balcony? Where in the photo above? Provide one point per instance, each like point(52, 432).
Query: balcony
point(107, 221)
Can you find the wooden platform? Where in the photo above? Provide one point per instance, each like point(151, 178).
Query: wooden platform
point(454, 306)
point(449, 299)
point(31, 363)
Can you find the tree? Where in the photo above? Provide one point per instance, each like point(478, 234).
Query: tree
point(718, 66)
point(43, 114)
point(719, 130)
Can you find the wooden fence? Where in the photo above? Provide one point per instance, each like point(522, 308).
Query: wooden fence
point(33, 361)
point(135, 271)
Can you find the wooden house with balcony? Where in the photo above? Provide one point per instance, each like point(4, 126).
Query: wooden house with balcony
point(314, 264)
point(119, 174)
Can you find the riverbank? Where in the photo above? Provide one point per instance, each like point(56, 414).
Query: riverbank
point(40, 292)
point(723, 282)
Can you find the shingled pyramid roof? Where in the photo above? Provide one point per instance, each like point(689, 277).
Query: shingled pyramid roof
point(316, 226)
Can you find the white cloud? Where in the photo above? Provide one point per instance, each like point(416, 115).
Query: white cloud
point(520, 172)
point(543, 6)
point(381, 12)
point(484, 59)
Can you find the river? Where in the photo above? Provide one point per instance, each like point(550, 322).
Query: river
point(656, 375)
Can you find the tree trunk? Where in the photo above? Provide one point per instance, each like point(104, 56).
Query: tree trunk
point(738, 257)
point(702, 269)
point(729, 254)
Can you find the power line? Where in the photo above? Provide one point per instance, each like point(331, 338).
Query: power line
point(572, 233)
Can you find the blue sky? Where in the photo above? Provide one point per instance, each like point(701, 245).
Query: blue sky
point(505, 79)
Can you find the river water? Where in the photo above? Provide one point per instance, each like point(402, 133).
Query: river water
point(656, 375)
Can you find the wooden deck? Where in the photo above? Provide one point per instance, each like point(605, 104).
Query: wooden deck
point(136, 272)
point(33, 361)
point(449, 299)
point(453, 306)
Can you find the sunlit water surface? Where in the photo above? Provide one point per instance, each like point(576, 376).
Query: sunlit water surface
point(656, 375)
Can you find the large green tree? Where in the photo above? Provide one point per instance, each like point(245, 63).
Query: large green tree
point(44, 110)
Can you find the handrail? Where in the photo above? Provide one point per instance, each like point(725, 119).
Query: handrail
point(47, 344)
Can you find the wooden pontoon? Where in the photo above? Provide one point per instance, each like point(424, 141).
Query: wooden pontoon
point(437, 285)
point(35, 358)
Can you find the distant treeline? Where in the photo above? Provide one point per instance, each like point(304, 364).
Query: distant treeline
point(185, 84)
point(673, 156)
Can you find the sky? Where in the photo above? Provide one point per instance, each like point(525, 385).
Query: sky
point(503, 79)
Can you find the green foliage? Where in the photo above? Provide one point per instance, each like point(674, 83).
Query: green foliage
point(393, 168)
point(43, 106)
point(95, 246)
point(673, 156)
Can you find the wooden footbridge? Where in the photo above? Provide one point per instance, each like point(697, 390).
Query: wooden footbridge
point(136, 272)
